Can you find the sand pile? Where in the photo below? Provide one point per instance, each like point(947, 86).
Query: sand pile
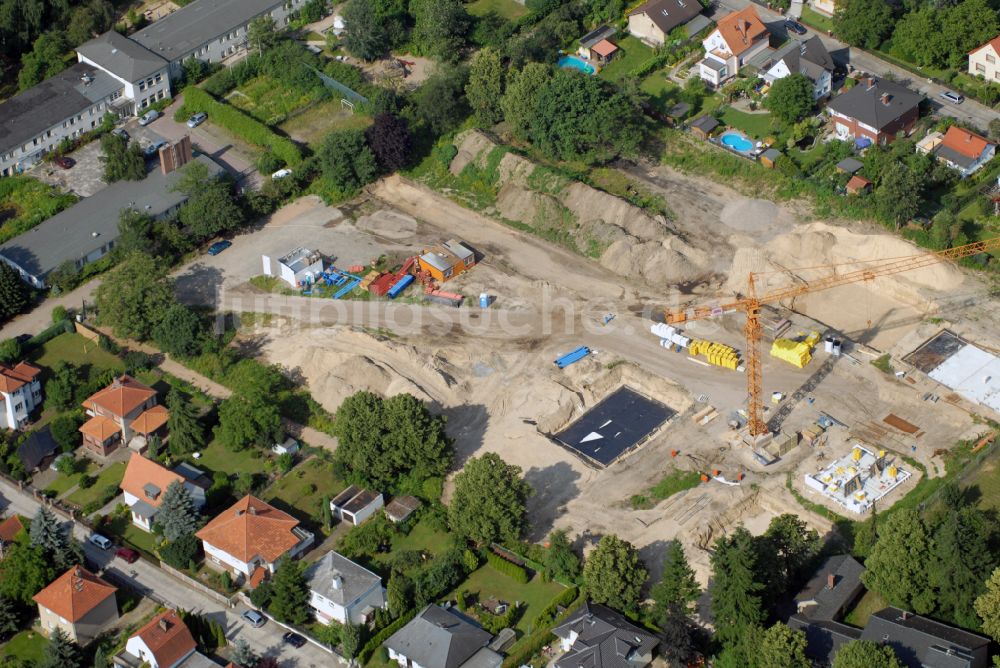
point(758, 217)
point(472, 147)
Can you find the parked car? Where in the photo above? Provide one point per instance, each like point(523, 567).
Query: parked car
point(127, 554)
point(149, 117)
point(154, 148)
point(281, 173)
point(254, 618)
point(952, 97)
point(312, 48)
point(100, 541)
point(219, 246)
point(197, 119)
point(121, 132)
point(65, 162)
point(294, 639)
point(795, 26)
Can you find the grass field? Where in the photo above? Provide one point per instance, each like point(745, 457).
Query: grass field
point(816, 20)
point(672, 483)
point(270, 101)
point(77, 350)
point(27, 645)
point(757, 126)
point(986, 480)
point(631, 54)
point(868, 604)
point(304, 487)
point(314, 124)
point(508, 9)
point(216, 457)
point(109, 476)
point(488, 583)
point(63, 483)
point(422, 538)
point(26, 202)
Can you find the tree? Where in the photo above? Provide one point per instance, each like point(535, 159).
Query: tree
point(677, 588)
point(122, 161)
point(439, 27)
point(10, 351)
point(485, 88)
point(290, 593)
point(186, 434)
point(10, 621)
point(210, 208)
point(790, 98)
point(90, 20)
point(561, 562)
point(677, 633)
point(54, 541)
point(60, 389)
point(247, 419)
point(489, 501)
point(66, 465)
point(897, 198)
point(61, 652)
point(792, 546)
point(390, 141)
point(897, 566)
point(135, 231)
point(180, 332)
point(350, 640)
point(242, 655)
point(866, 654)
point(347, 161)
point(24, 571)
point(177, 516)
point(782, 647)
point(519, 102)
point(47, 58)
point(987, 606)
point(614, 575)
point(398, 593)
point(13, 293)
point(440, 103)
point(262, 33)
point(134, 297)
point(100, 659)
point(314, 10)
point(368, 37)
point(181, 552)
point(864, 23)
point(962, 562)
point(735, 591)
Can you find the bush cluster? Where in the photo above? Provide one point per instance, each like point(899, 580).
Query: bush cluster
point(511, 570)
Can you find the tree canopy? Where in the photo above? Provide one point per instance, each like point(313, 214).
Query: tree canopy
point(897, 565)
point(485, 87)
point(736, 590)
point(289, 593)
point(248, 419)
point(489, 501)
point(134, 297)
point(614, 574)
point(211, 207)
point(369, 37)
point(677, 588)
point(864, 23)
point(177, 516)
point(179, 332)
point(561, 561)
point(122, 161)
point(389, 139)
point(186, 434)
point(941, 35)
point(13, 293)
point(347, 161)
point(790, 98)
point(782, 647)
point(439, 27)
point(866, 654)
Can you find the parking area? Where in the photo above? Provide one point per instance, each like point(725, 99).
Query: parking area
point(84, 178)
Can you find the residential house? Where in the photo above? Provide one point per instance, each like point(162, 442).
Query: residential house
point(342, 591)
point(88, 230)
point(597, 45)
point(964, 151)
point(875, 111)
point(920, 642)
point(10, 529)
point(444, 262)
point(737, 38)
point(78, 602)
point(21, 393)
point(653, 21)
point(596, 636)
point(123, 410)
point(401, 507)
point(250, 537)
point(144, 484)
point(141, 74)
point(809, 58)
point(299, 267)
point(354, 505)
point(164, 642)
point(442, 638)
point(38, 450)
point(984, 61)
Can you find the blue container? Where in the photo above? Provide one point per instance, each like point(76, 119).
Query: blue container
point(484, 300)
point(573, 357)
point(400, 285)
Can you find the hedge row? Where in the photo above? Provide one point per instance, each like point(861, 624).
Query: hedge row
point(241, 125)
point(376, 641)
point(46, 335)
point(511, 570)
point(551, 611)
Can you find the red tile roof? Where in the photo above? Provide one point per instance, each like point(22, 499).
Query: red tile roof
point(150, 420)
point(74, 593)
point(121, 397)
point(100, 427)
point(13, 377)
point(251, 528)
point(995, 43)
point(9, 528)
point(604, 48)
point(141, 472)
point(741, 29)
point(964, 142)
point(858, 182)
point(167, 637)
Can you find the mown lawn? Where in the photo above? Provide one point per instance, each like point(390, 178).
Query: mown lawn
point(27, 646)
point(757, 126)
point(508, 9)
point(304, 487)
point(217, 457)
point(816, 20)
point(488, 583)
point(112, 475)
point(631, 54)
point(77, 350)
point(63, 483)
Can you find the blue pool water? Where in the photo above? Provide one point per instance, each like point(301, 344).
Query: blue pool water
point(576, 64)
point(737, 142)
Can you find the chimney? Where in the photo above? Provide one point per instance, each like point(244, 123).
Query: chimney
point(885, 98)
point(164, 624)
point(239, 512)
point(252, 510)
point(906, 615)
point(831, 580)
point(338, 582)
point(869, 83)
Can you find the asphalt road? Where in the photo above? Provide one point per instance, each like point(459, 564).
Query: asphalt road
point(265, 641)
point(843, 54)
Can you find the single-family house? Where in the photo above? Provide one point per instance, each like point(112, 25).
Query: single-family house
point(858, 185)
point(920, 642)
point(145, 483)
point(250, 537)
point(597, 46)
point(354, 505)
point(164, 642)
point(299, 267)
point(737, 38)
point(10, 529)
point(21, 393)
point(401, 507)
point(342, 591)
point(442, 638)
point(984, 61)
point(78, 602)
point(444, 262)
point(809, 58)
point(964, 151)
point(596, 636)
point(876, 110)
point(126, 411)
point(653, 21)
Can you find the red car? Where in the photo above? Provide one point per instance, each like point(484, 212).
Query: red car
point(129, 555)
point(65, 162)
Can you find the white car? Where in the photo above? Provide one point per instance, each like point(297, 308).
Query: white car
point(149, 117)
point(281, 173)
point(101, 541)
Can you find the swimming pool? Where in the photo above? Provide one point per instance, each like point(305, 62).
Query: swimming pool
point(577, 64)
point(737, 142)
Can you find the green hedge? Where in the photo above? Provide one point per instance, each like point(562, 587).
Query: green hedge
point(530, 645)
point(241, 125)
point(46, 335)
point(551, 611)
point(376, 641)
point(511, 570)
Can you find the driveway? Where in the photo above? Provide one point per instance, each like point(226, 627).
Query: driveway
point(145, 577)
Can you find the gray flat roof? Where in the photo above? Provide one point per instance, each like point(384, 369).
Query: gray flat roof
point(713, 64)
point(28, 114)
point(121, 56)
point(176, 35)
point(93, 222)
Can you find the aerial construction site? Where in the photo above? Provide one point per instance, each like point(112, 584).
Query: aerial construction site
point(839, 377)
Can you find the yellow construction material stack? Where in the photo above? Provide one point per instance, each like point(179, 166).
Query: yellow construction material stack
point(718, 354)
point(796, 353)
point(812, 339)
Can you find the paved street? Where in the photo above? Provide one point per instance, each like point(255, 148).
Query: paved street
point(970, 110)
point(174, 593)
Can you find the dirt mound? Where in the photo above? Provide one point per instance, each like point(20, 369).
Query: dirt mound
point(589, 204)
point(472, 147)
point(514, 169)
point(521, 204)
point(654, 260)
point(757, 216)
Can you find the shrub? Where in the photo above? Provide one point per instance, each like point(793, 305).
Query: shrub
point(136, 360)
point(548, 614)
point(511, 570)
point(59, 313)
point(182, 551)
point(52, 332)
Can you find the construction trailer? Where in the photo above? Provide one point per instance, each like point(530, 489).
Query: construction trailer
point(446, 261)
point(301, 266)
